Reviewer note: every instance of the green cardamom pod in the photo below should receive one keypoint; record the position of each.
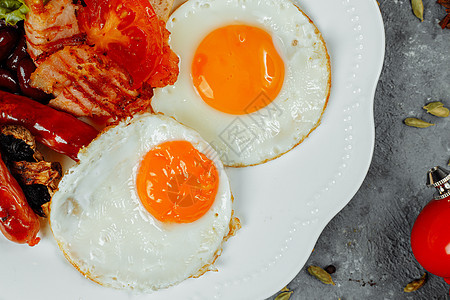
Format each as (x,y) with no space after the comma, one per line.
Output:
(414,122)
(415,284)
(437,109)
(417,7)
(442,112)
(433,105)
(320,274)
(284,296)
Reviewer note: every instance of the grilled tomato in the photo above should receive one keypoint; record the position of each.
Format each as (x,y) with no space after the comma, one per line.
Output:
(128,31)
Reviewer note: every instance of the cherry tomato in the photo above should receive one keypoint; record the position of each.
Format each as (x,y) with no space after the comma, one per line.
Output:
(430,238)
(128,31)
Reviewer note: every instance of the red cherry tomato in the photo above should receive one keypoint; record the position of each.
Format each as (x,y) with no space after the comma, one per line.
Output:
(430,238)
(128,31)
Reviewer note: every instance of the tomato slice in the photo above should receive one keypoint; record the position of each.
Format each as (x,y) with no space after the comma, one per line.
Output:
(128,31)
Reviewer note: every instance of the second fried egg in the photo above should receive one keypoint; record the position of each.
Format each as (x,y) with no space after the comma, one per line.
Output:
(254,76)
(148,205)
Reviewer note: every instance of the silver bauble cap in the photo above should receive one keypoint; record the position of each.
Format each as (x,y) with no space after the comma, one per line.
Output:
(439,178)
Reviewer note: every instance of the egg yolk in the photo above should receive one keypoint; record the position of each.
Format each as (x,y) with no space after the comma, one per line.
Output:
(237,70)
(176,182)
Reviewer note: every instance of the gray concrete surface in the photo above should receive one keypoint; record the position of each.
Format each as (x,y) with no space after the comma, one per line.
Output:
(368,241)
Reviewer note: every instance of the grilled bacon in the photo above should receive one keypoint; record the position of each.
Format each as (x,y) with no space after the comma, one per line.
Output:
(87,83)
(50,27)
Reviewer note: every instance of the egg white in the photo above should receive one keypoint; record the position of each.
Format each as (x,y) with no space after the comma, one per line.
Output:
(244,140)
(104,230)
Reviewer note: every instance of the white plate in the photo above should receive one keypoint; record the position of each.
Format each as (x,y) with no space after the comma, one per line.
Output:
(283,205)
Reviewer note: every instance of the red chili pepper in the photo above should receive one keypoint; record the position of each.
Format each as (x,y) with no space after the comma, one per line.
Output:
(18,222)
(58,130)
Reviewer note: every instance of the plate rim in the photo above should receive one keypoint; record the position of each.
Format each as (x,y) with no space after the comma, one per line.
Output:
(268,290)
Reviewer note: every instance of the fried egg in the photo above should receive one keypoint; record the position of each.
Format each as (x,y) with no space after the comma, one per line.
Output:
(147,206)
(254,76)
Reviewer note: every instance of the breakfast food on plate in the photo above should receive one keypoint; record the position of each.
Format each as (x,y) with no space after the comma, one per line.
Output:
(147,206)
(18,222)
(131,34)
(148,203)
(27,181)
(57,130)
(102,88)
(254,76)
(26,184)
(51,26)
(162,8)
(100,59)
(37,177)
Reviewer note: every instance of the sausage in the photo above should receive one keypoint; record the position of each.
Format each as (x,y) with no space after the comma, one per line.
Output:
(57,130)
(18,222)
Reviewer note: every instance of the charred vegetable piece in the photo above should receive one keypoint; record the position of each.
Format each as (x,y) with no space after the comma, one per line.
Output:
(37,195)
(42,172)
(17,144)
(37,178)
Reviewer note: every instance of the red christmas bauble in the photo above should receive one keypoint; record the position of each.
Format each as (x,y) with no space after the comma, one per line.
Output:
(430,238)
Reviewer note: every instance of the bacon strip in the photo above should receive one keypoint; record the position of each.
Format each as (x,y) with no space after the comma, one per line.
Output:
(87,83)
(51,27)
